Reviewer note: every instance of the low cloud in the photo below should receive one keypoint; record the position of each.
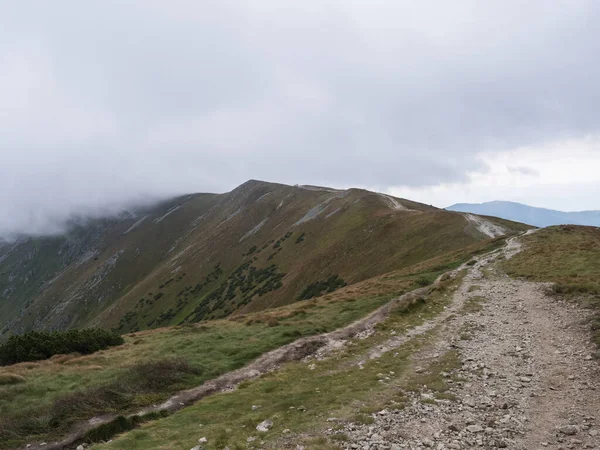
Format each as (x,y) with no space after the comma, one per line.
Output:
(523,170)
(107,104)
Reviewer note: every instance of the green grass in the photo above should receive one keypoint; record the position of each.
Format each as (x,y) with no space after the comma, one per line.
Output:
(31,391)
(473,304)
(569,257)
(300,399)
(214,349)
(210,348)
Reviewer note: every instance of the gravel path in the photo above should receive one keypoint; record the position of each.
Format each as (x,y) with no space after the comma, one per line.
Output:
(485,226)
(527,378)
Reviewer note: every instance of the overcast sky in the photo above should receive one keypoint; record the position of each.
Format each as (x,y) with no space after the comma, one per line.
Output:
(107,103)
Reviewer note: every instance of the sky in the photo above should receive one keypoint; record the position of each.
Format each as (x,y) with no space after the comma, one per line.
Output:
(104,105)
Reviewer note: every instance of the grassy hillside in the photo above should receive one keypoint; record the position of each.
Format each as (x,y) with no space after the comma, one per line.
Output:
(206,256)
(40,400)
(569,257)
(304,399)
(566,255)
(63,281)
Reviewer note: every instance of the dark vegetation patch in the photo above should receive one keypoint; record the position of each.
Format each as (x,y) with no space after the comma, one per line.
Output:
(38,345)
(473,304)
(423,281)
(432,378)
(276,245)
(130,322)
(282,239)
(245,282)
(408,307)
(140,385)
(119,425)
(274,254)
(320,287)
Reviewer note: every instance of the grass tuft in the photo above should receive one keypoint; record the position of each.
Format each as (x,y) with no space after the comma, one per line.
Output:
(11,378)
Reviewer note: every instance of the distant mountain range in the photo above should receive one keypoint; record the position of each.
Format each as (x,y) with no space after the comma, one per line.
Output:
(539,217)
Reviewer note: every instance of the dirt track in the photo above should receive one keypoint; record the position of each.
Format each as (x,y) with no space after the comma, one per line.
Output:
(529,380)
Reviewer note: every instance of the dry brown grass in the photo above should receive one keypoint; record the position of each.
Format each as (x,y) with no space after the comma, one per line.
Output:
(60,359)
(28,365)
(11,378)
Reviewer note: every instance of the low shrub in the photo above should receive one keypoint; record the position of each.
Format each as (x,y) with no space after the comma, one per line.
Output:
(423,281)
(36,345)
(318,288)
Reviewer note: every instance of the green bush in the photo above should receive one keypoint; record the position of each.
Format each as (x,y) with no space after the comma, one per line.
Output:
(36,345)
(325,286)
(423,281)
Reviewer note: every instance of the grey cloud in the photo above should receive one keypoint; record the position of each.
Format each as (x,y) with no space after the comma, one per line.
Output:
(107,103)
(523,170)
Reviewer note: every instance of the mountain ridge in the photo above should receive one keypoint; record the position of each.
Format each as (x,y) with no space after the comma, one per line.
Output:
(532,215)
(205,256)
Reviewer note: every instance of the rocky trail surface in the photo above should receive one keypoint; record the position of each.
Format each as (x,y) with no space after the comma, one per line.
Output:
(525,376)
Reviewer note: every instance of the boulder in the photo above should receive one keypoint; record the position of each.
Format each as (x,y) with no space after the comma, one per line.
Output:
(264,426)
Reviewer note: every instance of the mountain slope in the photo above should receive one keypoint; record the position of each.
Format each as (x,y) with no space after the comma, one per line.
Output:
(40,406)
(205,256)
(539,217)
(451,372)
